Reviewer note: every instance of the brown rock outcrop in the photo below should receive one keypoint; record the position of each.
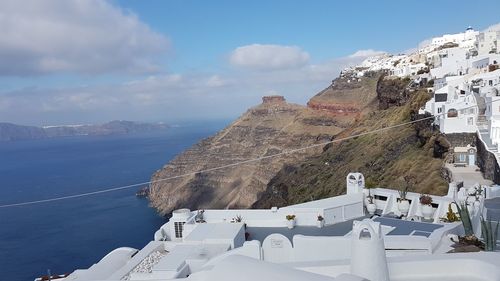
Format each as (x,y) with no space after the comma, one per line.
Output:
(273,99)
(270,128)
(347,96)
(274,126)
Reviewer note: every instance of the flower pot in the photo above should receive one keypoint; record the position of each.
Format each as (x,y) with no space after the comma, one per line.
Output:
(290,224)
(404,207)
(427,212)
(320,224)
(371,208)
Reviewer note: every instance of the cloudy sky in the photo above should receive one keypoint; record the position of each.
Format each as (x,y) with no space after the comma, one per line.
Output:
(84,61)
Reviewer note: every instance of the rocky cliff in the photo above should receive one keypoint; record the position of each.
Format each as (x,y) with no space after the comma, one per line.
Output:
(348,107)
(347,96)
(416,150)
(272,127)
(13,132)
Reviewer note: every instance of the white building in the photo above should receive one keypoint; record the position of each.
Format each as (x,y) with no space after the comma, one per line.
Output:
(454,105)
(465,39)
(407,69)
(487,42)
(487,85)
(450,61)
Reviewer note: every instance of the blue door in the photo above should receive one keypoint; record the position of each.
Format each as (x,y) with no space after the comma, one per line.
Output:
(472,159)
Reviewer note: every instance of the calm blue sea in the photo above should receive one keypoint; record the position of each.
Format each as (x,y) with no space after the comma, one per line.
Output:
(65,235)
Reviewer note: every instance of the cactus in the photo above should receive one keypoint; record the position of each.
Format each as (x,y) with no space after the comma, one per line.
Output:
(450,215)
(465,218)
(489,234)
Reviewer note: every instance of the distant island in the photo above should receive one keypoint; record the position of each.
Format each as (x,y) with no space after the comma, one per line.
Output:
(13,132)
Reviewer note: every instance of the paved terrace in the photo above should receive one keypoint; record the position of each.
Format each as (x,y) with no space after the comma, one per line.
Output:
(401,227)
(493,209)
(469,175)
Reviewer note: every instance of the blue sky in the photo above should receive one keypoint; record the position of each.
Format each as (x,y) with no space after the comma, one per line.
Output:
(95,60)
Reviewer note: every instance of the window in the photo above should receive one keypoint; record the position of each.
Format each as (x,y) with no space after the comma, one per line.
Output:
(470,121)
(452,113)
(178,226)
(490,82)
(461,157)
(440,110)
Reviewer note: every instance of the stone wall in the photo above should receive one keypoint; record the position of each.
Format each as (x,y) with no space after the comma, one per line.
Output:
(462,139)
(487,163)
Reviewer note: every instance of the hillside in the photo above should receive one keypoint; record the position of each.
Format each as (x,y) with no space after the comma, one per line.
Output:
(13,132)
(269,128)
(384,158)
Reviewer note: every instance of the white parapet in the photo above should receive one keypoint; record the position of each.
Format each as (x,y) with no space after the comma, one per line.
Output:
(355,183)
(368,251)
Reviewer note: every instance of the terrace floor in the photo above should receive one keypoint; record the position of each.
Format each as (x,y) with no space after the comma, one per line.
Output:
(493,209)
(469,175)
(401,227)
(338,229)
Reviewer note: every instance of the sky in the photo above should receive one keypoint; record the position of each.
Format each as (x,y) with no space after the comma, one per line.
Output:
(92,61)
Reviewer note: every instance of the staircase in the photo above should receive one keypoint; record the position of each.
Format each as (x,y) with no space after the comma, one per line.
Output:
(484,136)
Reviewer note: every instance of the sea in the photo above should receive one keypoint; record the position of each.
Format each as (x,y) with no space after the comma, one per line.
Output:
(62,236)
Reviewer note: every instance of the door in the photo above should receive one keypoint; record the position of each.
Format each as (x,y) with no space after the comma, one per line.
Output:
(472,159)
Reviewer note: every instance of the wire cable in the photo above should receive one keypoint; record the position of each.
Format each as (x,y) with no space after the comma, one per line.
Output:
(228,165)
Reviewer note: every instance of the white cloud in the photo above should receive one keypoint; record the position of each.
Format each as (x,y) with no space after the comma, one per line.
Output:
(494,27)
(268,57)
(216,81)
(170,96)
(366,53)
(81,36)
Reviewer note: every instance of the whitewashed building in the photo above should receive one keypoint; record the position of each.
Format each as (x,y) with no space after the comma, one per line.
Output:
(487,85)
(450,61)
(465,39)
(487,42)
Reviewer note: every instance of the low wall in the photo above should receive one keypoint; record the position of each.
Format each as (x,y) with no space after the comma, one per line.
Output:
(307,248)
(334,210)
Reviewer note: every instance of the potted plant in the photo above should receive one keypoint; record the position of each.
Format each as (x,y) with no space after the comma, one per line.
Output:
(426,204)
(403,203)
(238,219)
(199,217)
(367,190)
(371,207)
(320,222)
(476,193)
(290,221)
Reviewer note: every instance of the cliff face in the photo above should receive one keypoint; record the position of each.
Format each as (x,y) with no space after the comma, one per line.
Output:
(347,96)
(384,158)
(272,127)
(487,162)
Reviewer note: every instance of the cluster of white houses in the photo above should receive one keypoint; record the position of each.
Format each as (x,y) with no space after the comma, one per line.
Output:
(464,68)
